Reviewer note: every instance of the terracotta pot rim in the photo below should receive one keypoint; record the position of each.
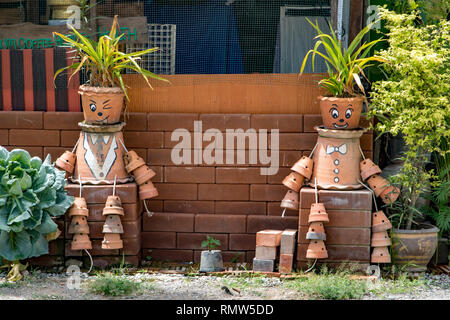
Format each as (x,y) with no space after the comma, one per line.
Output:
(426,228)
(339,133)
(333,98)
(101,128)
(86,89)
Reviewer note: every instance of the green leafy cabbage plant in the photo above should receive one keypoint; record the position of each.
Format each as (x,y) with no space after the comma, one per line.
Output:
(31,194)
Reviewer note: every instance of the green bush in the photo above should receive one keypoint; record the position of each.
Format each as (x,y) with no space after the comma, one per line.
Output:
(111,285)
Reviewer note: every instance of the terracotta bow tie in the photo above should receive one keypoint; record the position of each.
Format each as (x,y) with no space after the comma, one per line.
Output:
(342,149)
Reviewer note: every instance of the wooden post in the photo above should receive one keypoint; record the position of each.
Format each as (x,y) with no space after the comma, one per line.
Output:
(356,18)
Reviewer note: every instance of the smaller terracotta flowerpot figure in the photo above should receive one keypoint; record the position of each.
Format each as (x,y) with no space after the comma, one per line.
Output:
(79,225)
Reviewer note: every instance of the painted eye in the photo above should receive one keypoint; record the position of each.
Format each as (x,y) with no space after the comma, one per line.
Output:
(348,113)
(334,113)
(93,107)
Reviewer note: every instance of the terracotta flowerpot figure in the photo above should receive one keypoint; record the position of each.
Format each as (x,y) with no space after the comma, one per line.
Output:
(66,161)
(380,239)
(368,169)
(341,113)
(380,222)
(293,181)
(290,200)
(101,105)
(317,213)
(112,241)
(380,255)
(336,159)
(81,241)
(316,231)
(304,166)
(377,183)
(316,250)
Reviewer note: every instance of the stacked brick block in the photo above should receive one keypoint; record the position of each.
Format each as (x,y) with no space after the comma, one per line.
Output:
(348,230)
(228,201)
(266,254)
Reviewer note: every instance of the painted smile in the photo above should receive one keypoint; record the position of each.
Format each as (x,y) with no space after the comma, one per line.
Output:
(340,127)
(103,120)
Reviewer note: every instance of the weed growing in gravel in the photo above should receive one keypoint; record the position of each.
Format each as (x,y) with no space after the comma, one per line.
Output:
(111,285)
(329,285)
(401,284)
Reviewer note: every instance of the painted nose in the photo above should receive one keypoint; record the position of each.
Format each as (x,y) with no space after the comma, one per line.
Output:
(100,114)
(341,120)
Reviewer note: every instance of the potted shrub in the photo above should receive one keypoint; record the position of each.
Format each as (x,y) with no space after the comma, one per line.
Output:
(211,259)
(414,101)
(341,109)
(103,96)
(31,195)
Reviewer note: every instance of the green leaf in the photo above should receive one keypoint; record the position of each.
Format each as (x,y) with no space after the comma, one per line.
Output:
(3,153)
(36,163)
(25,182)
(47,198)
(39,246)
(47,225)
(21,156)
(18,215)
(15,246)
(35,219)
(15,188)
(63,202)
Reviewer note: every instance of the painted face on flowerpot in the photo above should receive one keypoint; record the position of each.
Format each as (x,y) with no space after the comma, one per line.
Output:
(341,113)
(100,110)
(341,116)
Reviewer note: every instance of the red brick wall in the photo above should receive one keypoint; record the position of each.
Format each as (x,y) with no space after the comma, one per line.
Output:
(230,202)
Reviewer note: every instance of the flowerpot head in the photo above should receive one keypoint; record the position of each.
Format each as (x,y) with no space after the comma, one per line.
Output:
(341,113)
(101,106)
(290,200)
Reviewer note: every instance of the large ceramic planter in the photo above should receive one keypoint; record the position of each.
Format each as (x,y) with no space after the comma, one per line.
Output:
(211,261)
(101,105)
(414,248)
(341,113)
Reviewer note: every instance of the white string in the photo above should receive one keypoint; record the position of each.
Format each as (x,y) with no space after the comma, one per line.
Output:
(314,264)
(76,144)
(149,213)
(81,185)
(284,211)
(362,153)
(92,261)
(114,187)
(314,149)
(123,145)
(315,188)
(373,195)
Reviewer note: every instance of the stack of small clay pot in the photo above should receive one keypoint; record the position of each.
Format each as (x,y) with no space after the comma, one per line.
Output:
(316,232)
(79,227)
(66,162)
(380,238)
(380,186)
(301,170)
(136,166)
(113,226)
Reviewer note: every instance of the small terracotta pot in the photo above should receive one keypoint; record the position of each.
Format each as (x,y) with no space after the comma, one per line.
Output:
(380,255)
(101,105)
(316,231)
(113,206)
(143,174)
(377,183)
(112,241)
(390,194)
(132,161)
(290,200)
(368,169)
(316,250)
(112,224)
(78,224)
(341,113)
(304,166)
(380,222)
(318,213)
(293,181)
(147,191)
(66,161)
(81,241)
(78,208)
(380,239)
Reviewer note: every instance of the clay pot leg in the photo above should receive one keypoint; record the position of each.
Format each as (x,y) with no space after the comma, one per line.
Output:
(81,241)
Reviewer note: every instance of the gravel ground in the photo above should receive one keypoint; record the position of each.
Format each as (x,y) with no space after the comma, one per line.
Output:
(159,286)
